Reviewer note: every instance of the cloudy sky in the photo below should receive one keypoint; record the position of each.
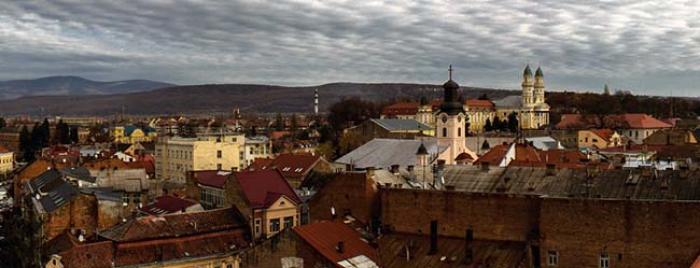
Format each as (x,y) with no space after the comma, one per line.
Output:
(644,46)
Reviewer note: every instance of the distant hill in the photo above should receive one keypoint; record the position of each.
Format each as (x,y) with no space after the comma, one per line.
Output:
(71,86)
(224,98)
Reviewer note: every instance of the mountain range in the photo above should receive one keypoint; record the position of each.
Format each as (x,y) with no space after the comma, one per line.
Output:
(202,99)
(73,86)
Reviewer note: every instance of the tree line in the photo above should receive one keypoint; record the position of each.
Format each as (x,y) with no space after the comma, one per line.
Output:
(31,142)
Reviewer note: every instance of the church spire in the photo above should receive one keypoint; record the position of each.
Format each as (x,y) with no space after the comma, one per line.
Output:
(450,104)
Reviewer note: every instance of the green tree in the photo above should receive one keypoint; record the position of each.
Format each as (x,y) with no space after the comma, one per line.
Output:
(513,122)
(74,134)
(488,126)
(46,132)
(497,123)
(279,122)
(25,139)
(2,122)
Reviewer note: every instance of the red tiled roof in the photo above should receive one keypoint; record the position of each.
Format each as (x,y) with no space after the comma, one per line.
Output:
(260,163)
(4,150)
(295,165)
(479,103)
(324,238)
(529,156)
(577,121)
(213,178)
(464,157)
(605,133)
(167,204)
(257,185)
(175,225)
(203,244)
(642,121)
(494,156)
(401,108)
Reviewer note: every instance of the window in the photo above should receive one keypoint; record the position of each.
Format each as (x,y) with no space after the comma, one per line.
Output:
(552,258)
(218,166)
(595,140)
(459,132)
(636,133)
(288,222)
(586,139)
(257,226)
(218,154)
(444,132)
(604,260)
(274,225)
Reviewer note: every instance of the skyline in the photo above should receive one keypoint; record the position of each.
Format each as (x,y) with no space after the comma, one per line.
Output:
(648,48)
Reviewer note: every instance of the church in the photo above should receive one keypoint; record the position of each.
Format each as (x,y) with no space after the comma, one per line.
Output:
(530,106)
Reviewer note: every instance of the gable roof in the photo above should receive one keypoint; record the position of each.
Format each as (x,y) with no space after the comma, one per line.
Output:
(213,178)
(174,225)
(78,173)
(642,121)
(50,191)
(294,165)
(324,238)
(604,133)
(383,153)
(259,185)
(167,204)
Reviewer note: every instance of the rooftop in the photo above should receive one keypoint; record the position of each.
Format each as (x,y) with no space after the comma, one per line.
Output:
(383,153)
(167,204)
(262,186)
(401,124)
(324,238)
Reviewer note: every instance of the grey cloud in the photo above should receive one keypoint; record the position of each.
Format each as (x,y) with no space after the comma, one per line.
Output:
(579,45)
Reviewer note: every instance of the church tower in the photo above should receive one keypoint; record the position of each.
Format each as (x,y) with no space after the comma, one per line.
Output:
(527,98)
(450,123)
(539,86)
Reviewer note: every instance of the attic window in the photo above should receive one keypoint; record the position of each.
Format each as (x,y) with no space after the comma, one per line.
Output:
(298,169)
(286,169)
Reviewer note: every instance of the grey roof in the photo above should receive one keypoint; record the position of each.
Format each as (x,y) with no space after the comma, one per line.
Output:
(383,153)
(104,193)
(545,143)
(513,101)
(78,173)
(50,191)
(401,124)
(632,184)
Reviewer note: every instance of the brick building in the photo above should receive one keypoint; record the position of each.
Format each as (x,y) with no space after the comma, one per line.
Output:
(566,218)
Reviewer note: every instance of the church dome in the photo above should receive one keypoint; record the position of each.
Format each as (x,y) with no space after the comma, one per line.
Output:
(450,85)
(527,71)
(539,73)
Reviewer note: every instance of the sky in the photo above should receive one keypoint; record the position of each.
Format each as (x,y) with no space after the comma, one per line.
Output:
(647,47)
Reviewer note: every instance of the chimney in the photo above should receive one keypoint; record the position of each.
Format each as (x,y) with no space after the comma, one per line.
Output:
(551,169)
(485,166)
(395,169)
(433,237)
(468,251)
(341,247)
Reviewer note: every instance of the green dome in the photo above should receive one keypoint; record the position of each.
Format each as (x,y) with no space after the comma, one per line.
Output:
(539,72)
(527,70)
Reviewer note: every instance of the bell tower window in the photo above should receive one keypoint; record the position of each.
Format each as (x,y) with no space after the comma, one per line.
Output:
(444,132)
(459,132)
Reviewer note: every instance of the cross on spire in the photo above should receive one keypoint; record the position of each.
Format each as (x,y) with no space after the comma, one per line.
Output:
(450,71)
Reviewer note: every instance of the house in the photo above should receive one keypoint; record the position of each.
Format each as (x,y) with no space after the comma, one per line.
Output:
(197,239)
(599,137)
(169,204)
(7,160)
(295,168)
(266,200)
(334,244)
(634,127)
(525,154)
(130,134)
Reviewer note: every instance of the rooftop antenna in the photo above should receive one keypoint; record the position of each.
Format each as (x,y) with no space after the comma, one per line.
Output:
(450,71)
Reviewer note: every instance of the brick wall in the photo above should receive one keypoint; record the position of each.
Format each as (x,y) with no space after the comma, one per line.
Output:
(631,233)
(491,216)
(353,192)
(269,253)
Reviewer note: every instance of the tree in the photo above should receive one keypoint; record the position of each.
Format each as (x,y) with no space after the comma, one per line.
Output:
(487,126)
(62,135)
(497,123)
(46,132)
(484,97)
(25,139)
(279,122)
(513,122)
(2,122)
(74,134)
(350,141)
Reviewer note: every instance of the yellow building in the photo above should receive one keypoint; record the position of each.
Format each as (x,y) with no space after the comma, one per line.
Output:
(131,134)
(7,160)
(530,106)
(175,156)
(600,138)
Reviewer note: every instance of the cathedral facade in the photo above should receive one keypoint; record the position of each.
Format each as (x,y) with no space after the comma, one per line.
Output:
(530,107)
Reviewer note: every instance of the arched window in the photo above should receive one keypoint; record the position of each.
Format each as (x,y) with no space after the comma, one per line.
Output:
(444,132)
(459,132)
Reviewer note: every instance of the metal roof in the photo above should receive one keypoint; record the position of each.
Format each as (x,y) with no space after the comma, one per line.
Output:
(513,101)
(635,184)
(50,191)
(401,124)
(383,153)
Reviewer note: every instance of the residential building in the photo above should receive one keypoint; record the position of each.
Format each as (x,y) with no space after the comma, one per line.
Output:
(634,127)
(295,168)
(130,134)
(175,156)
(7,160)
(334,244)
(600,138)
(675,136)
(197,239)
(255,147)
